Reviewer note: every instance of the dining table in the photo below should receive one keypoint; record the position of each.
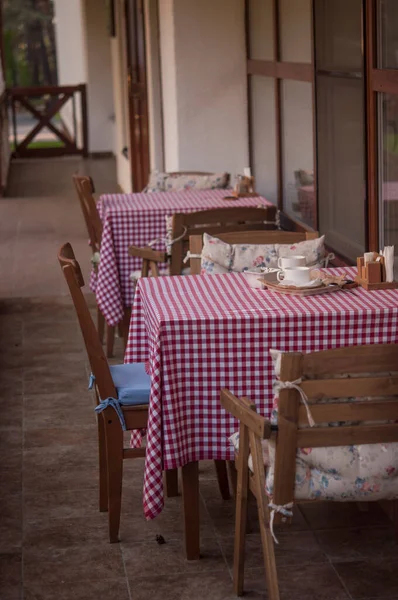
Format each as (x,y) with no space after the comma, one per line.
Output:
(198,334)
(138,219)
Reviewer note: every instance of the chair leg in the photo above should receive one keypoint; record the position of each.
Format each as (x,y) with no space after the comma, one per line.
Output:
(222,478)
(271,575)
(241,513)
(171,483)
(232,476)
(190,496)
(120,333)
(114,451)
(110,340)
(103,476)
(100,325)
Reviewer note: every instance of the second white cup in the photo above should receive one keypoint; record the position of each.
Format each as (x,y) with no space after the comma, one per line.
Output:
(291,261)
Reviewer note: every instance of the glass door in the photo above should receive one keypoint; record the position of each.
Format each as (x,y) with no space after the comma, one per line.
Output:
(387,111)
(340,119)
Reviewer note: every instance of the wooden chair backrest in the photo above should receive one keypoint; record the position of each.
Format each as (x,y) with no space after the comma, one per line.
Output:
(248,237)
(373,372)
(99,365)
(221,220)
(85,189)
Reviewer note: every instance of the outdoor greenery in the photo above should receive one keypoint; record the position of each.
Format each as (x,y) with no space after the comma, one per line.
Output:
(29,41)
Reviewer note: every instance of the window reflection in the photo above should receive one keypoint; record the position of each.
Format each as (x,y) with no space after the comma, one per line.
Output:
(388,28)
(299,199)
(388,189)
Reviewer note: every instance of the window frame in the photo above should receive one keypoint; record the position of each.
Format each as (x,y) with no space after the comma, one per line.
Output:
(280,70)
(376,80)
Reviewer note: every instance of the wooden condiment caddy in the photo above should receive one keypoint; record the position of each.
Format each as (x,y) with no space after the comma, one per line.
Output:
(244,187)
(372,276)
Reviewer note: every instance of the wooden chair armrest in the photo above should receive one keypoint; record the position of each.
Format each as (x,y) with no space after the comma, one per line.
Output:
(245,411)
(147,254)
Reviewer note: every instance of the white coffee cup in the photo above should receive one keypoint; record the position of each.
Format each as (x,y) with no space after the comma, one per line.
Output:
(291,261)
(297,275)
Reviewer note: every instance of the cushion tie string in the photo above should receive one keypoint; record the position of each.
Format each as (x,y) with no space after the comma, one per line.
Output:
(295,385)
(283,509)
(91,381)
(328,258)
(190,255)
(115,404)
(166,241)
(95,259)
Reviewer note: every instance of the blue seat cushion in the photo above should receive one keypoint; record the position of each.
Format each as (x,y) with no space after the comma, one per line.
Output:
(132,383)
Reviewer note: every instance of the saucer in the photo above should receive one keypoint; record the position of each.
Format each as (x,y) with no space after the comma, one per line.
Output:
(315,283)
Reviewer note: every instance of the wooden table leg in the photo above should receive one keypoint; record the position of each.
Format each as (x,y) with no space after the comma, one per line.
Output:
(170,483)
(190,496)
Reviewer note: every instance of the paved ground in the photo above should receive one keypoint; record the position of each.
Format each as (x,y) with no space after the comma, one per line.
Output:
(53,540)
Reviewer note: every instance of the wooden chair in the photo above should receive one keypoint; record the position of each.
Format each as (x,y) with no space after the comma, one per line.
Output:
(110,384)
(85,189)
(368,415)
(214,222)
(246,237)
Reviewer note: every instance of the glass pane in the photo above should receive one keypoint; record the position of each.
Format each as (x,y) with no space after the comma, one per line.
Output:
(295,27)
(263,136)
(338,35)
(261,29)
(341,164)
(298,151)
(388,106)
(388,34)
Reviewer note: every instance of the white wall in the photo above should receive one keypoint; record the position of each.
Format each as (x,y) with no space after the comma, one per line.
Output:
(99,76)
(71,53)
(119,71)
(71,50)
(204,85)
(84,56)
(154,85)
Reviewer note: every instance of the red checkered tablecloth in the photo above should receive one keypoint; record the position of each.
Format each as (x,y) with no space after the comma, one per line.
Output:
(136,219)
(202,333)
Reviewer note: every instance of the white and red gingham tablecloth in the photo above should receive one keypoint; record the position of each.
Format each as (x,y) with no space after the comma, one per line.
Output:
(202,333)
(137,219)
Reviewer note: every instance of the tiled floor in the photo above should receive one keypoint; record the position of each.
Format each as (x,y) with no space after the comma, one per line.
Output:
(53,540)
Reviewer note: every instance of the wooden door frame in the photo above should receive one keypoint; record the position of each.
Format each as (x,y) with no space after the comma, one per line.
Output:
(137,93)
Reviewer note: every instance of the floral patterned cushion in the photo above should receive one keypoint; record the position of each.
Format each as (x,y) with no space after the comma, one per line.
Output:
(164,182)
(220,257)
(177,183)
(313,250)
(156,182)
(304,177)
(339,473)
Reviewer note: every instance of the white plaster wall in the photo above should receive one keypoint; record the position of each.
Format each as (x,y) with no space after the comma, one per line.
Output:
(119,73)
(71,53)
(204,85)
(169,83)
(154,85)
(99,77)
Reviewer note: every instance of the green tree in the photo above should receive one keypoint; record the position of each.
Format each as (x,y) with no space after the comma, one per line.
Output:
(30,53)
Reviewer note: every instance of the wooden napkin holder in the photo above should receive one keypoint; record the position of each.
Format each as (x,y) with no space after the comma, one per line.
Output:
(245,188)
(372,276)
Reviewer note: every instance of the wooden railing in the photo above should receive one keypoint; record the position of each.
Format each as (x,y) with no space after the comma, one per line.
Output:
(48,107)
